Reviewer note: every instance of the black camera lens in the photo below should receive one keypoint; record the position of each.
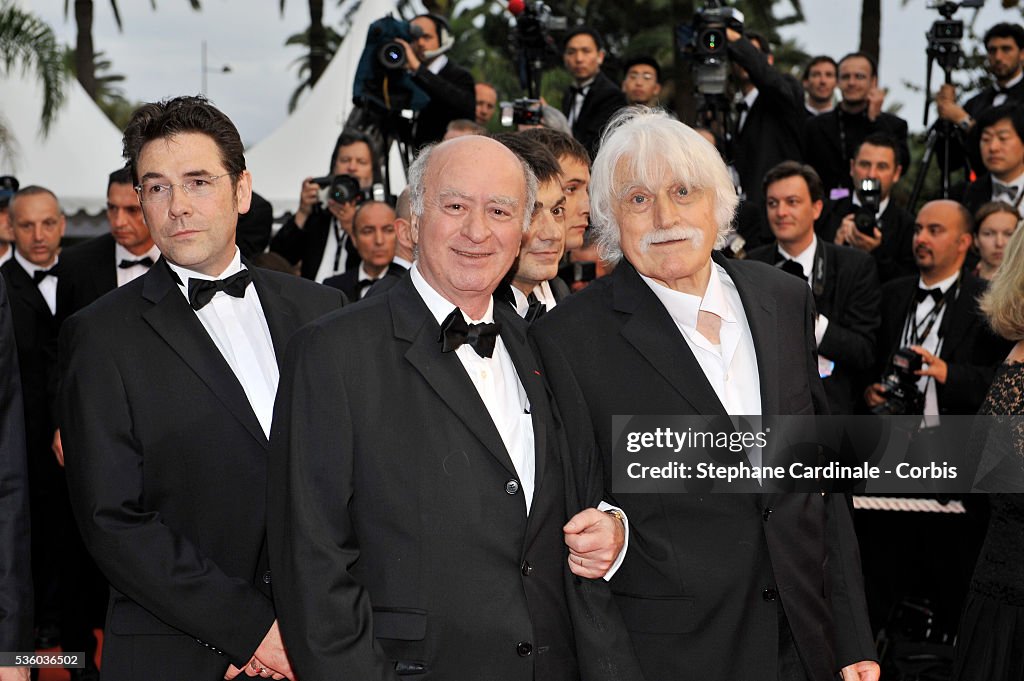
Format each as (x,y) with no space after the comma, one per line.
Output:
(391,55)
(712,40)
(345,189)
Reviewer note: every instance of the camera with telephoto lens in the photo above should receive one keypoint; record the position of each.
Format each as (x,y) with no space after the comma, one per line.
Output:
(945,35)
(869,193)
(340,188)
(899,385)
(391,54)
(704,42)
(522,112)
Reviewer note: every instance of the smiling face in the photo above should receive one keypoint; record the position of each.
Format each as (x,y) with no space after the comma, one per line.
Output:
(855,80)
(544,241)
(791,213)
(667,233)
(469,234)
(194,232)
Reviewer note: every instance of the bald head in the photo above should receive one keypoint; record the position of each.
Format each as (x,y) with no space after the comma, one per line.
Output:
(942,237)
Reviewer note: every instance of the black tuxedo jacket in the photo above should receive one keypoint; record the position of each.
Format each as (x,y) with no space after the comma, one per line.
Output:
(165,461)
(87,271)
(976,106)
(452,96)
(347,280)
(823,146)
(35,333)
(399,537)
(771,131)
(978,193)
(307,243)
(969,347)
(698,585)
(895,255)
(846,290)
(603,99)
(16,585)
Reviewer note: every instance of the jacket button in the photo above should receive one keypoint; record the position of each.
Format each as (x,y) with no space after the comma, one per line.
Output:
(524,649)
(527,568)
(767,512)
(266,577)
(769,594)
(512,486)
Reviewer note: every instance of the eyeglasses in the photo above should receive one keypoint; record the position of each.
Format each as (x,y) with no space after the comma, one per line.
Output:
(152,191)
(636,75)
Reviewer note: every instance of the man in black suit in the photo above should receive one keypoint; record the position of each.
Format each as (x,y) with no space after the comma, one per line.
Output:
(375,239)
(1003,45)
(771,112)
(843,280)
(319,234)
(831,139)
(31,276)
(436,548)
(533,287)
(100,265)
(713,586)
(1001,143)
(16,586)
(167,392)
(890,239)
(593,98)
(450,87)
(8,186)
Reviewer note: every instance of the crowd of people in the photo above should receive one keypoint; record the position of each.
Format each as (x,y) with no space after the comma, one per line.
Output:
(392,456)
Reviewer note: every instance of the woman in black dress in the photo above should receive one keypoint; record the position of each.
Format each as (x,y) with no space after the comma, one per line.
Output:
(990,646)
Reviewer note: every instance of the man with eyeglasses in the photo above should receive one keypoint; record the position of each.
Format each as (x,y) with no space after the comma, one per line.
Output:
(168,386)
(642,83)
(830,141)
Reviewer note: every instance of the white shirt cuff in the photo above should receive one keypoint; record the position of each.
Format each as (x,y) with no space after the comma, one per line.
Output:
(820,325)
(605,506)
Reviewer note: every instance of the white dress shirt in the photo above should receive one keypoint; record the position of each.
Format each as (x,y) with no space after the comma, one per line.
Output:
(578,99)
(1018,184)
(806,260)
(543,293)
(932,343)
(127,274)
(238,327)
(48,286)
(333,250)
(498,385)
(730,366)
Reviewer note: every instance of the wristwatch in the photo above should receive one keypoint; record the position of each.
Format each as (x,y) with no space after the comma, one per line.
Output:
(616,513)
(966,124)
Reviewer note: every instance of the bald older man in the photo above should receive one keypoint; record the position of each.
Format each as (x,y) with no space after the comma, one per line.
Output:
(419,485)
(716,587)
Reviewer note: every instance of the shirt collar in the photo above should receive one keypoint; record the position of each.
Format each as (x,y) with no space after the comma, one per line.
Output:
(750,98)
(122,253)
(942,285)
(440,306)
(804,257)
(185,274)
(1012,82)
(30,267)
(683,307)
(585,85)
(1015,182)
(439,63)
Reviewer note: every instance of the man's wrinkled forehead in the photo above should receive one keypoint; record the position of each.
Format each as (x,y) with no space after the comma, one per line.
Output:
(650,173)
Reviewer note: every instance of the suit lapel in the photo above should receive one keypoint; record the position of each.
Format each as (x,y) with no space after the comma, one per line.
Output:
(650,329)
(759,308)
(28,291)
(958,317)
(444,372)
(177,324)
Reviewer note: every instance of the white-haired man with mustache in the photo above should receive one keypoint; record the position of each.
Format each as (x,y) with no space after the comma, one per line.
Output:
(714,586)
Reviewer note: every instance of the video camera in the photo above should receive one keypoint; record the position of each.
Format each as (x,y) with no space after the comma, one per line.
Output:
(340,188)
(902,396)
(704,42)
(382,84)
(869,194)
(522,112)
(945,34)
(532,43)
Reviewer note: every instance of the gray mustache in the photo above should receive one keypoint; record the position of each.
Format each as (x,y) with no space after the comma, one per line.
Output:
(658,236)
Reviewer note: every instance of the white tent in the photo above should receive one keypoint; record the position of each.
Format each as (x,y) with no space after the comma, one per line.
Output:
(74,159)
(303,143)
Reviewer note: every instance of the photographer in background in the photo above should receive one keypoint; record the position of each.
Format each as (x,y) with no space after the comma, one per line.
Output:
(870,221)
(450,87)
(768,117)
(318,236)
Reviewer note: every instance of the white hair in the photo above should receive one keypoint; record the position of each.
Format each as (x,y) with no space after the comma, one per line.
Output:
(647,147)
(417,183)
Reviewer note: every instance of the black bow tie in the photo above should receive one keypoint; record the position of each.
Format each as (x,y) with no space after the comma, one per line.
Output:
(39,275)
(579,90)
(455,332)
(999,189)
(794,268)
(924,293)
(536,308)
(144,261)
(202,291)
(364,283)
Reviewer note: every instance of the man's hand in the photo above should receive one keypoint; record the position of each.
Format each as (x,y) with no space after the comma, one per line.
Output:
(13,673)
(58,450)
(594,539)
(412,61)
(876,97)
(345,213)
(308,198)
(935,366)
(842,237)
(861,671)
(270,661)
(865,242)
(732,35)
(874,394)
(945,103)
